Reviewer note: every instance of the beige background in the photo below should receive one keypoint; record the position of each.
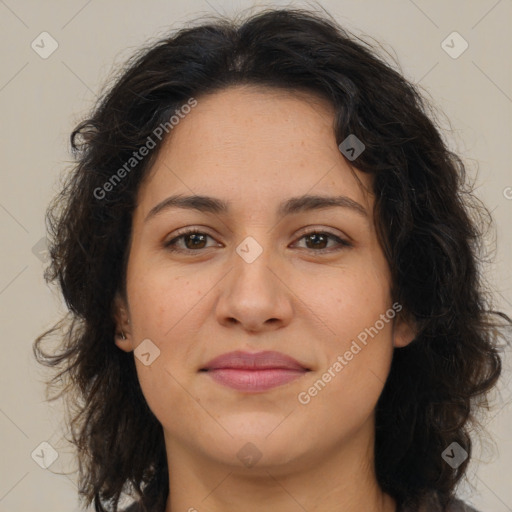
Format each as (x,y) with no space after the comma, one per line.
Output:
(42,99)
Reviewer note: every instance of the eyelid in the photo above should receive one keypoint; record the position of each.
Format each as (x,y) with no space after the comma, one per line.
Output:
(342,240)
(187,231)
(307,230)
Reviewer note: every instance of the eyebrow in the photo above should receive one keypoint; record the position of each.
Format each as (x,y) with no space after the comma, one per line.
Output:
(294,205)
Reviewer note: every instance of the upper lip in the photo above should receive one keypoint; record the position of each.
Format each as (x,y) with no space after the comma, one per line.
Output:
(254,361)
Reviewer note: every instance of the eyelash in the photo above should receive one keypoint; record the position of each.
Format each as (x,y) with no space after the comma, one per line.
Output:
(171,244)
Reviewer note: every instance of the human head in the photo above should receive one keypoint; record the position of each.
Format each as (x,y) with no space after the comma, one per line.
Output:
(420,213)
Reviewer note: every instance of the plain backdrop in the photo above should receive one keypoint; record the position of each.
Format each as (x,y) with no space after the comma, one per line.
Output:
(42,99)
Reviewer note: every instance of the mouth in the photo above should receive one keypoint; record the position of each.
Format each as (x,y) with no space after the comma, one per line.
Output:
(254,372)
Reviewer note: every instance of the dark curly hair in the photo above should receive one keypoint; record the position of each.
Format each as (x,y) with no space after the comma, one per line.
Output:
(430,225)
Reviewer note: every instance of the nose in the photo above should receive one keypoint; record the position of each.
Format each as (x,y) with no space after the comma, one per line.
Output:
(254,295)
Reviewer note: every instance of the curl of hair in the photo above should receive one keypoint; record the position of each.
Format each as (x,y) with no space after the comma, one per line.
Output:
(429,223)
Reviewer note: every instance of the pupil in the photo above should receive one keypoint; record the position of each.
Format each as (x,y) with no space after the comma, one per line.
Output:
(196,238)
(316,235)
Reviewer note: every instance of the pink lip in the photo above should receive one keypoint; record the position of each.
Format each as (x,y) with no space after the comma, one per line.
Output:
(248,372)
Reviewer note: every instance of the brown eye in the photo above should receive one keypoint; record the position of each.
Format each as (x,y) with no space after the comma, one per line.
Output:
(317,241)
(197,240)
(191,240)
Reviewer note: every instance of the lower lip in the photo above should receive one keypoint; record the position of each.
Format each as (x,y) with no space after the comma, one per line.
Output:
(254,380)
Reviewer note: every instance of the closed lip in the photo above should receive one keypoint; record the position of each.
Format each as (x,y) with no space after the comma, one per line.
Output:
(265,360)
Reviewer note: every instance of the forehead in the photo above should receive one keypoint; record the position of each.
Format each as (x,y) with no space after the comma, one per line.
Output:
(257,144)
(251,118)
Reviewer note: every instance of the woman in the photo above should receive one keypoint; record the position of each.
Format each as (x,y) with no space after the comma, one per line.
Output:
(270,259)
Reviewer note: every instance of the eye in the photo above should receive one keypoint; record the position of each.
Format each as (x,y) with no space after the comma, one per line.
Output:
(193,239)
(317,241)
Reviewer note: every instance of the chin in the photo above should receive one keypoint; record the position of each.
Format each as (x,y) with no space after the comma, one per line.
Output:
(259,442)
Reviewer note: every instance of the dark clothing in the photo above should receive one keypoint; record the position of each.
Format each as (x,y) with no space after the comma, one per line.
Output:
(432,504)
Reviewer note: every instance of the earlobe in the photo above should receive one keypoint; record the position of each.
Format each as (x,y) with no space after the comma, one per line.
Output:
(123,339)
(404,331)
(123,342)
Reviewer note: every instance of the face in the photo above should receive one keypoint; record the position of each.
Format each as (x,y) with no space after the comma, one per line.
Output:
(259,274)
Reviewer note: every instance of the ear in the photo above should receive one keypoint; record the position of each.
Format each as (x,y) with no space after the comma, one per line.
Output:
(405,330)
(123,337)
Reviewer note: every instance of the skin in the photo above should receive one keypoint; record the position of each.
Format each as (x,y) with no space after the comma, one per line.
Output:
(256,147)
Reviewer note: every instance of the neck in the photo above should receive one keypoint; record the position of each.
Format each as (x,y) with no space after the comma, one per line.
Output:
(342,480)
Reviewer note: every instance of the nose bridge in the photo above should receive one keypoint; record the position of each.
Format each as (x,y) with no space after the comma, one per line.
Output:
(252,261)
(253,294)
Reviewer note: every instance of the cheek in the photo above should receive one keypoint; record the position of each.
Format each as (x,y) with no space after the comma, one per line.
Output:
(358,313)
(161,301)
(168,398)
(165,316)
(350,300)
